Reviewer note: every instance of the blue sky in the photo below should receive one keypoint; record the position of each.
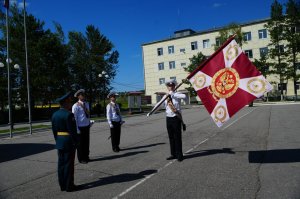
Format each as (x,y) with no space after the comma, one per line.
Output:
(130,23)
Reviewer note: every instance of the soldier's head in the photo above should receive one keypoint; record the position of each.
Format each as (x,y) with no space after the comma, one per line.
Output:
(112,96)
(171,85)
(80,94)
(65,101)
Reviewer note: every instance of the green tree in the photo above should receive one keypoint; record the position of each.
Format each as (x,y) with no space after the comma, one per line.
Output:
(292,35)
(195,61)
(90,54)
(276,26)
(227,32)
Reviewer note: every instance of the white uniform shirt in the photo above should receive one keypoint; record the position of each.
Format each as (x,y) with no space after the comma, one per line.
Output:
(80,115)
(111,113)
(176,98)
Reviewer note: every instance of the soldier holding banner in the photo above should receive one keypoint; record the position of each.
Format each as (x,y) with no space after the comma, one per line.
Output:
(174,120)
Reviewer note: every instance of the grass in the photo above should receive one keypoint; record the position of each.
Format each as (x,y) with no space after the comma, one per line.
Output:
(22,129)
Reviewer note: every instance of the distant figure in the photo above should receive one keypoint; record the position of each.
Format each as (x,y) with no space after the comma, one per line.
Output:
(174,121)
(66,138)
(114,120)
(81,112)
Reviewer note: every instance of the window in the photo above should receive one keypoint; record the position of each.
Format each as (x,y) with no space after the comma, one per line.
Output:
(161,66)
(206,43)
(218,41)
(194,45)
(249,53)
(247,36)
(182,50)
(263,51)
(281,48)
(171,49)
(183,64)
(173,78)
(161,81)
(172,64)
(160,51)
(262,34)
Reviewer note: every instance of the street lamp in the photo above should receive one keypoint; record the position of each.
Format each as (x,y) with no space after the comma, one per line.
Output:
(104,76)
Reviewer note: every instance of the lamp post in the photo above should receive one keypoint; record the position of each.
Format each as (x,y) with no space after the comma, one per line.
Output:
(16,66)
(104,76)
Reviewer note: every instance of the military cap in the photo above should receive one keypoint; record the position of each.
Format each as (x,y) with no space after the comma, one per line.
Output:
(63,98)
(171,82)
(79,92)
(112,93)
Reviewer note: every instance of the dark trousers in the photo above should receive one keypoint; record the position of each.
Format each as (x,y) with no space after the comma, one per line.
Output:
(115,134)
(66,169)
(174,132)
(83,150)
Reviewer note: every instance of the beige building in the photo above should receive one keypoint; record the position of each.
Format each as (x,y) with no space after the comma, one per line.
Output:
(165,59)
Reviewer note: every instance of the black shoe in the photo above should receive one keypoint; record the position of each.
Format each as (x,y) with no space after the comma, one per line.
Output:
(170,158)
(179,159)
(83,162)
(62,189)
(116,150)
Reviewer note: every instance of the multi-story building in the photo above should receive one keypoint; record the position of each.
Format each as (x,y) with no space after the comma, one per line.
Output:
(165,59)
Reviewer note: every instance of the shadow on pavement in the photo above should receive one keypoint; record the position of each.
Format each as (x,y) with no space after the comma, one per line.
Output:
(14,151)
(275,156)
(126,177)
(118,156)
(145,146)
(208,152)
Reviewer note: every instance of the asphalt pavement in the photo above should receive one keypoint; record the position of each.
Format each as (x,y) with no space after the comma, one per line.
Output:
(255,155)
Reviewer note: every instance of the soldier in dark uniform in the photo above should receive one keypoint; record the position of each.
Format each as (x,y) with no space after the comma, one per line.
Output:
(65,134)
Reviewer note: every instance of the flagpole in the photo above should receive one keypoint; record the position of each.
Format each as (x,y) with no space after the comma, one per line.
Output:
(27,71)
(193,73)
(8,78)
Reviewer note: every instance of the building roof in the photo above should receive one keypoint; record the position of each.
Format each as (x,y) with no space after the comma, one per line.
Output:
(194,33)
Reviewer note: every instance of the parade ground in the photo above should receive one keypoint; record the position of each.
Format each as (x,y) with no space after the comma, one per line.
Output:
(255,155)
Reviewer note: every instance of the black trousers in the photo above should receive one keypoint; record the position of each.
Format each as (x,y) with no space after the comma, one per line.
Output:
(174,132)
(65,169)
(115,134)
(83,150)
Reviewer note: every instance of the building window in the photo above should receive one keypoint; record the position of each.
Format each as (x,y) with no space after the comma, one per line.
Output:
(171,49)
(262,34)
(247,36)
(194,45)
(218,41)
(161,81)
(281,48)
(206,43)
(263,51)
(182,50)
(173,78)
(183,64)
(249,53)
(161,66)
(172,64)
(160,51)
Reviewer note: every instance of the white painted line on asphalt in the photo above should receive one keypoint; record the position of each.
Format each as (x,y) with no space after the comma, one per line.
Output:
(169,163)
(159,170)
(238,119)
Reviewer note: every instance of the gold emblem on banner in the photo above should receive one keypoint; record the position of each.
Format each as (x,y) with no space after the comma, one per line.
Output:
(225,83)
(232,52)
(199,81)
(256,85)
(220,114)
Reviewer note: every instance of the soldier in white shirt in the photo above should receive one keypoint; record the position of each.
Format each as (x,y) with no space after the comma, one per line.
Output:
(81,111)
(114,120)
(174,121)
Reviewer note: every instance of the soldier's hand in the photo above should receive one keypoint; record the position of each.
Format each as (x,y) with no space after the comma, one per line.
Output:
(111,126)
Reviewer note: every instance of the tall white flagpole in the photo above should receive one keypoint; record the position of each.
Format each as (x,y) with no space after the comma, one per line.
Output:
(27,71)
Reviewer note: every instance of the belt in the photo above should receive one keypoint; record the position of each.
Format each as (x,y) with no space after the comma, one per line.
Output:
(63,133)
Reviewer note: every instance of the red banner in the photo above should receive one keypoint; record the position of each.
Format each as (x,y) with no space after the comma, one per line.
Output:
(228,81)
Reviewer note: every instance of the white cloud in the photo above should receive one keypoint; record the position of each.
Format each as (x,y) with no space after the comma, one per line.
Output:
(217,5)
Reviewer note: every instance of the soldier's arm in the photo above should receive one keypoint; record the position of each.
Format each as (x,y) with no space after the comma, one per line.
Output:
(72,128)
(54,128)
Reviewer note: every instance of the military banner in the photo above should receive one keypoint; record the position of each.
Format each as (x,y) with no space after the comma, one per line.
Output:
(228,81)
